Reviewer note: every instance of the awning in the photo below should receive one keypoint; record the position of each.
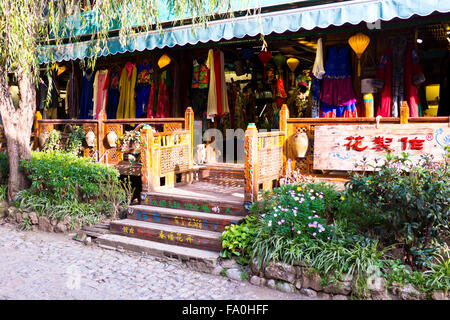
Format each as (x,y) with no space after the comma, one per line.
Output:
(310,17)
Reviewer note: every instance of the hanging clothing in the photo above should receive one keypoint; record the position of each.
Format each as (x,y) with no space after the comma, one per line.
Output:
(281,93)
(217,94)
(398,75)
(100,91)
(163,102)
(112,92)
(337,95)
(384,77)
(86,99)
(315,97)
(73,92)
(413,77)
(143,88)
(444,87)
(318,68)
(127,103)
(318,71)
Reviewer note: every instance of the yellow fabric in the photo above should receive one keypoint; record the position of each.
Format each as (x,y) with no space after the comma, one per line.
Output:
(127,102)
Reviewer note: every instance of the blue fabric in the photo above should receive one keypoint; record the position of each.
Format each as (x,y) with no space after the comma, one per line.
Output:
(143,86)
(338,62)
(338,112)
(322,16)
(86,102)
(113,93)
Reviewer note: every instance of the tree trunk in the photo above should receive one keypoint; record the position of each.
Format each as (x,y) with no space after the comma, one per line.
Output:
(17,123)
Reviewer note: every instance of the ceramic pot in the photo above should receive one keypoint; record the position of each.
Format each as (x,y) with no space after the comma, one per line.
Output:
(90,139)
(300,144)
(42,138)
(111,137)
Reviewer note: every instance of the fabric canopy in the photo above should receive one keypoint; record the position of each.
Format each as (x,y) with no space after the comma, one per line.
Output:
(309,17)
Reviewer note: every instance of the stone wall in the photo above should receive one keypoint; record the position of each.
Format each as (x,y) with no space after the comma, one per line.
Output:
(14,215)
(305,281)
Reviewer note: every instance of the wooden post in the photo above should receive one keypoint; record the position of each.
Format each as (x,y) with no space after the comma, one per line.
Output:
(36,129)
(189,125)
(284,116)
(146,157)
(101,134)
(404,113)
(251,163)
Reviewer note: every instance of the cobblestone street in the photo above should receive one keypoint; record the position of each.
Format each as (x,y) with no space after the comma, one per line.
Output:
(38,265)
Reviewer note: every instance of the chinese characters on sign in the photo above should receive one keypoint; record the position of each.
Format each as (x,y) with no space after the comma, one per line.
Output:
(381,143)
(362,147)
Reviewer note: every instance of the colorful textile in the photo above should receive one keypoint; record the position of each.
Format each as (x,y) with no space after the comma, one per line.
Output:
(399,73)
(99,94)
(113,93)
(384,75)
(413,78)
(315,107)
(86,101)
(143,87)
(163,103)
(217,94)
(337,95)
(127,103)
(281,93)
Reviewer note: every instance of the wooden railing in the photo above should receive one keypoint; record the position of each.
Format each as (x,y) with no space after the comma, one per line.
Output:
(268,156)
(165,154)
(308,125)
(263,161)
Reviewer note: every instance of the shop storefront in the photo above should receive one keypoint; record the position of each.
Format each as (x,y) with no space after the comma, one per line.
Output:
(339,62)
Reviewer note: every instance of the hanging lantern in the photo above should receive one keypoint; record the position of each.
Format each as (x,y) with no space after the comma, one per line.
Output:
(359,43)
(292,64)
(265,56)
(164,61)
(279,60)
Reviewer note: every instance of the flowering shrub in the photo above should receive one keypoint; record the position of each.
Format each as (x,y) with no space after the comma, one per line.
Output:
(298,211)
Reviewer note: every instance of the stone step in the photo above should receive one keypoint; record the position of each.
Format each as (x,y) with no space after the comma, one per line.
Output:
(202,203)
(181,218)
(169,234)
(190,255)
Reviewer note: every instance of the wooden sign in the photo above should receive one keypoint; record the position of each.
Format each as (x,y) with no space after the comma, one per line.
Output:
(348,147)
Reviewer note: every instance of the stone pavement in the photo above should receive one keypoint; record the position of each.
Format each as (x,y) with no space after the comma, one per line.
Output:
(38,265)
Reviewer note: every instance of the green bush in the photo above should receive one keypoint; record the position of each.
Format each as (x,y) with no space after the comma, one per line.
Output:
(404,203)
(60,175)
(236,239)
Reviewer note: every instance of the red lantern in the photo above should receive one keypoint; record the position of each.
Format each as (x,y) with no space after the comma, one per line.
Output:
(265,56)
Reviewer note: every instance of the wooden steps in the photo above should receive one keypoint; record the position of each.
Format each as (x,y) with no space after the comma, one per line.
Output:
(169,234)
(181,218)
(193,203)
(223,174)
(118,242)
(188,216)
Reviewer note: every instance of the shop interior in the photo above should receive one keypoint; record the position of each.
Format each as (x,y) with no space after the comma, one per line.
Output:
(330,73)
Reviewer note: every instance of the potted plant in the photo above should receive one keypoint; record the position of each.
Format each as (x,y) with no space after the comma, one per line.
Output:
(130,141)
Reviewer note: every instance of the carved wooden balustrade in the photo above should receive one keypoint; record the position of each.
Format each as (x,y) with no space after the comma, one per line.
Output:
(268,156)
(164,152)
(263,161)
(308,125)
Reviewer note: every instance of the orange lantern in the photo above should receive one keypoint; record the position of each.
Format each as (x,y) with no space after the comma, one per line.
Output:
(164,61)
(359,43)
(292,64)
